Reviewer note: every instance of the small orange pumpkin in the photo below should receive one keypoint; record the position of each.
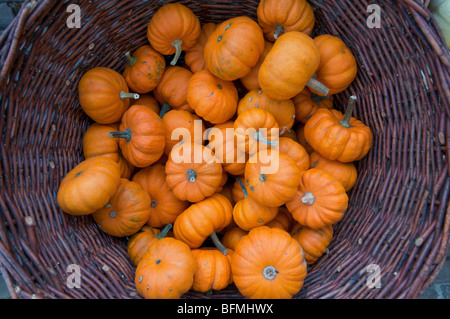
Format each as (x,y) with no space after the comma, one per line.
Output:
(300,133)
(172,29)
(126,212)
(345,173)
(165,206)
(213,269)
(248,213)
(173,87)
(88,186)
(289,66)
(313,241)
(212,98)
(256,129)
(276,187)
(232,236)
(144,69)
(209,216)
(103,95)
(166,271)
(97,143)
(234,48)
(268,264)
(142,136)
(296,152)
(319,201)
(194,56)
(279,16)
(193,173)
(138,244)
(224,146)
(282,220)
(337,68)
(307,103)
(149,101)
(337,136)
(282,110)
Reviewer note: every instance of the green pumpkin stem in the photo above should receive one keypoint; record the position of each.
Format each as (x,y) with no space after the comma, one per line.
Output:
(164,232)
(279,30)
(131,60)
(177,45)
(164,109)
(242,187)
(124,95)
(348,112)
(218,243)
(124,134)
(259,137)
(314,84)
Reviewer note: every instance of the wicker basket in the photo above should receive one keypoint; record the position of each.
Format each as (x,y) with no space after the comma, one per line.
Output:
(398,217)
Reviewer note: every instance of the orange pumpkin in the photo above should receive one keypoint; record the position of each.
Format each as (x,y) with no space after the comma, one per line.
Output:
(212,98)
(144,69)
(336,136)
(126,169)
(103,95)
(142,136)
(268,264)
(276,187)
(227,192)
(337,68)
(234,48)
(237,192)
(232,236)
(313,241)
(290,134)
(88,186)
(166,271)
(172,29)
(173,87)
(248,213)
(138,243)
(213,269)
(282,220)
(282,110)
(165,206)
(209,216)
(97,143)
(193,173)
(194,56)
(177,120)
(250,81)
(256,129)
(307,103)
(319,201)
(224,146)
(149,101)
(279,16)
(345,173)
(126,212)
(295,152)
(289,66)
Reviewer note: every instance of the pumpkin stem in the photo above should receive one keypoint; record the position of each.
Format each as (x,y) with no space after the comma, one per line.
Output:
(348,112)
(279,30)
(317,86)
(164,109)
(177,45)
(124,95)
(125,134)
(317,98)
(164,232)
(218,243)
(242,186)
(131,60)
(259,137)
(191,175)
(308,198)
(270,272)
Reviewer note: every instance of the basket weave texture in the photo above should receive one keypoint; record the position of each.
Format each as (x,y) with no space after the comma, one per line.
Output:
(398,216)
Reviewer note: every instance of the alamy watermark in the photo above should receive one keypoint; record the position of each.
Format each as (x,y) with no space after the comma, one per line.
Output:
(374,279)
(74,278)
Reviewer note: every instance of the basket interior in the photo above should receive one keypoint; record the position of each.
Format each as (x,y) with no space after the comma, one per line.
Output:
(397,217)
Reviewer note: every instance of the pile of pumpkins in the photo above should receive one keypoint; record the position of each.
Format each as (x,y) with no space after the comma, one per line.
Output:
(207,222)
